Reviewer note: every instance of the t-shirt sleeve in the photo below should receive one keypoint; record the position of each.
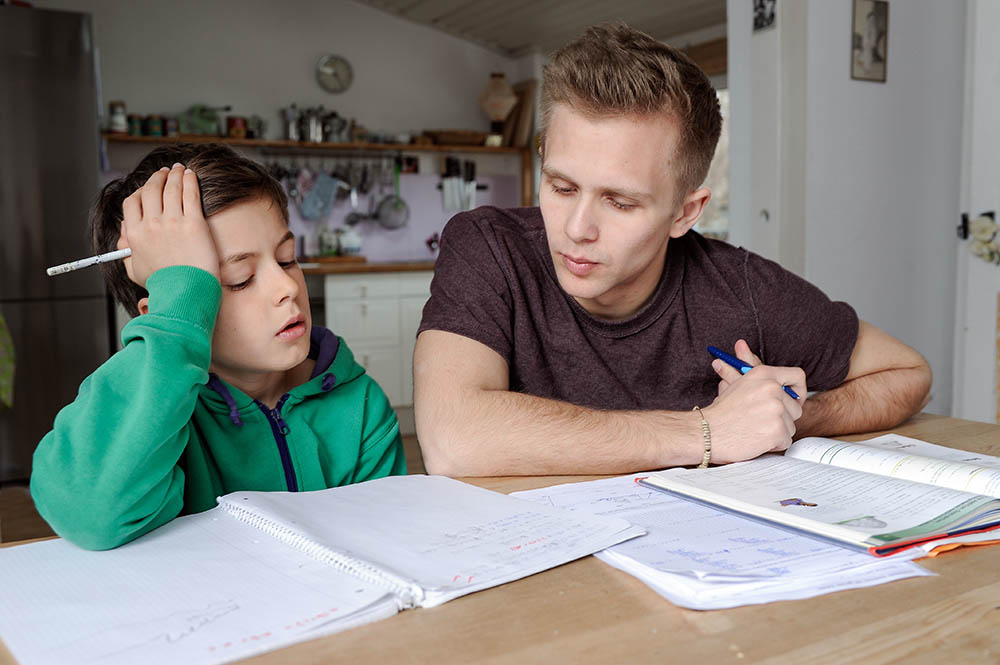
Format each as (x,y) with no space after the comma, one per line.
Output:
(799,325)
(470,294)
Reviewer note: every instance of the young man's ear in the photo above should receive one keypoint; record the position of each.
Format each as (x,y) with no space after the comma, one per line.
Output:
(691,208)
(143,306)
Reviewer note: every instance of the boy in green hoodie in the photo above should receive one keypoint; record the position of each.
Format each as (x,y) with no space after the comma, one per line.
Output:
(223,383)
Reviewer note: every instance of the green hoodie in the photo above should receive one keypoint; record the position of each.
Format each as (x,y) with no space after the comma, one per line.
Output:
(152,435)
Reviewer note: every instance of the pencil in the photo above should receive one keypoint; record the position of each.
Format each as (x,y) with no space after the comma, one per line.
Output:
(89,261)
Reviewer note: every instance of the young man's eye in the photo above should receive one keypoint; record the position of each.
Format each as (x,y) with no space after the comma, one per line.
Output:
(287,264)
(620,205)
(242,285)
(561,190)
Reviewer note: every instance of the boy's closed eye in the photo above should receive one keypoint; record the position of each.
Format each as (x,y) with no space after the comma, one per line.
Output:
(240,285)
(245,283)
(285,257)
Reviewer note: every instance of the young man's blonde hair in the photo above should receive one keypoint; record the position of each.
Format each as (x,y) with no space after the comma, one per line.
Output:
(614,70)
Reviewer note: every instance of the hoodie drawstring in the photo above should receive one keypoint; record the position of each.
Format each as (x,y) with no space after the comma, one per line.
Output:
(234,412)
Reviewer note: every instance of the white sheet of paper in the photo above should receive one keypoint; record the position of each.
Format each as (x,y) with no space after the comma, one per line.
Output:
(717,594)
(202,589)
(703,558)
(448,537)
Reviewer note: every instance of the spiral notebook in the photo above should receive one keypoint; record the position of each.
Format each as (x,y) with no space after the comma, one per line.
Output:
(267,569)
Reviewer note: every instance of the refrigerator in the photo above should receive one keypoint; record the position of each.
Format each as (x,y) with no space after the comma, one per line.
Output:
(49,174)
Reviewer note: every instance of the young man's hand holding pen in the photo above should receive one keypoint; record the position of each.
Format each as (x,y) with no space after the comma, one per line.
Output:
(754,406)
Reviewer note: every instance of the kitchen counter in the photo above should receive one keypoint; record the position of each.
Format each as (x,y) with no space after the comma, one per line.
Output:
(356,267)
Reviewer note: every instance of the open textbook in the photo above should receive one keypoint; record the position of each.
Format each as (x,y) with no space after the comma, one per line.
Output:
(266,569)
(882,495)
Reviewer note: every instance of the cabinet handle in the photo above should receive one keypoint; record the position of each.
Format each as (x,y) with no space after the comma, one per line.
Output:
(364,360)
(364,309)
(364,291)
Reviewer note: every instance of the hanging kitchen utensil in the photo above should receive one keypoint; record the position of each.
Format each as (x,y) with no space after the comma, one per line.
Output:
(392,211)
(354,173)
(354,216)
(318,200)
(340,173)
(365,186)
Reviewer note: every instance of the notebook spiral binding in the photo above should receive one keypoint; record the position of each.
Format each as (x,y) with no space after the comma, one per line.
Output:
(409,595)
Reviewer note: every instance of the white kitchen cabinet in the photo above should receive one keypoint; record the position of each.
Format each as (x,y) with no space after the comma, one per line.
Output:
(371,321)
(378,314)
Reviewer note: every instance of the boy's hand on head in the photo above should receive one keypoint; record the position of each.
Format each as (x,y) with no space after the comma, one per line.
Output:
(163,224)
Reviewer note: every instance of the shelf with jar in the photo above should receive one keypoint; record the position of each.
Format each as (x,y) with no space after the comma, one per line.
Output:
(317,147)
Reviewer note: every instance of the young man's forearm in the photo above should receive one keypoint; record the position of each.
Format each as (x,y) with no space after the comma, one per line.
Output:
(498,432)
(866,404)
(470,424)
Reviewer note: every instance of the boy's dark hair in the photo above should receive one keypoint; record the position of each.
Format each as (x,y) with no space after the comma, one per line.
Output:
(613,70)
(224,178)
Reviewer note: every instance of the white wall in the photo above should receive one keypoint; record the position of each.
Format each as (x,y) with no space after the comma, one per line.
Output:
(882,175)
(260,55)
(874,169)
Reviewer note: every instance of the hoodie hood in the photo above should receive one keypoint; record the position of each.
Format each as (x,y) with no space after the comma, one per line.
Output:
(334,366)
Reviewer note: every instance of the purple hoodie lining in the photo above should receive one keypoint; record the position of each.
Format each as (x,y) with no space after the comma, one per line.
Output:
(323,347)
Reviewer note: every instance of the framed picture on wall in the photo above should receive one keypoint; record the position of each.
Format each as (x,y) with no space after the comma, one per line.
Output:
(869,40)
(763,14)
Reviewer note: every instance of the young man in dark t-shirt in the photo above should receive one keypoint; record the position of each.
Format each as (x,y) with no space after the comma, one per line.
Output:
(572,338)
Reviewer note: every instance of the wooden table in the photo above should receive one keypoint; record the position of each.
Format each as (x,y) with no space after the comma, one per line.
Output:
(588,612)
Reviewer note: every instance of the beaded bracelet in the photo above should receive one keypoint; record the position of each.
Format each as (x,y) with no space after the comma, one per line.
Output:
(706,436)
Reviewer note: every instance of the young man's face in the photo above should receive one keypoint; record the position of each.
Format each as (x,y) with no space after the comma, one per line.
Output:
(264,320)
(608,200)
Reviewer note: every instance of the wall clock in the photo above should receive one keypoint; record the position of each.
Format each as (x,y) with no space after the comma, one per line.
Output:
(334,73)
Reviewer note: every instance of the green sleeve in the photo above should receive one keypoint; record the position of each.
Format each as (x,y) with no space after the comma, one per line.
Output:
(381,445)
(108,471)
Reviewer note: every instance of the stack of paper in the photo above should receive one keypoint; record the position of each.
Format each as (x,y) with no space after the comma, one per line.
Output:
(702,558)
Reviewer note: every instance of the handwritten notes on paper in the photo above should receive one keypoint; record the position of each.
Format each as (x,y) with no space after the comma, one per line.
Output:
(446,537)
(266,569)
(703,558)
(200,589)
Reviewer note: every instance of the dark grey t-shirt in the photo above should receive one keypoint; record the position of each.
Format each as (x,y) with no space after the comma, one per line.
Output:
(494,282)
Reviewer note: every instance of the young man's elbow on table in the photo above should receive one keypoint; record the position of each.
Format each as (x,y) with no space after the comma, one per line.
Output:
(456,439)
(912,392)
(435,448)
(887,383)
(450,436)
(450,372)
(898,374)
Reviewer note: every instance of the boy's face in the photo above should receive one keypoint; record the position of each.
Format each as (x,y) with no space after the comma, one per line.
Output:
(264,321)
(608,201)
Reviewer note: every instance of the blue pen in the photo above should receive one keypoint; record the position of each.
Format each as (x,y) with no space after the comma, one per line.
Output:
(733,361)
